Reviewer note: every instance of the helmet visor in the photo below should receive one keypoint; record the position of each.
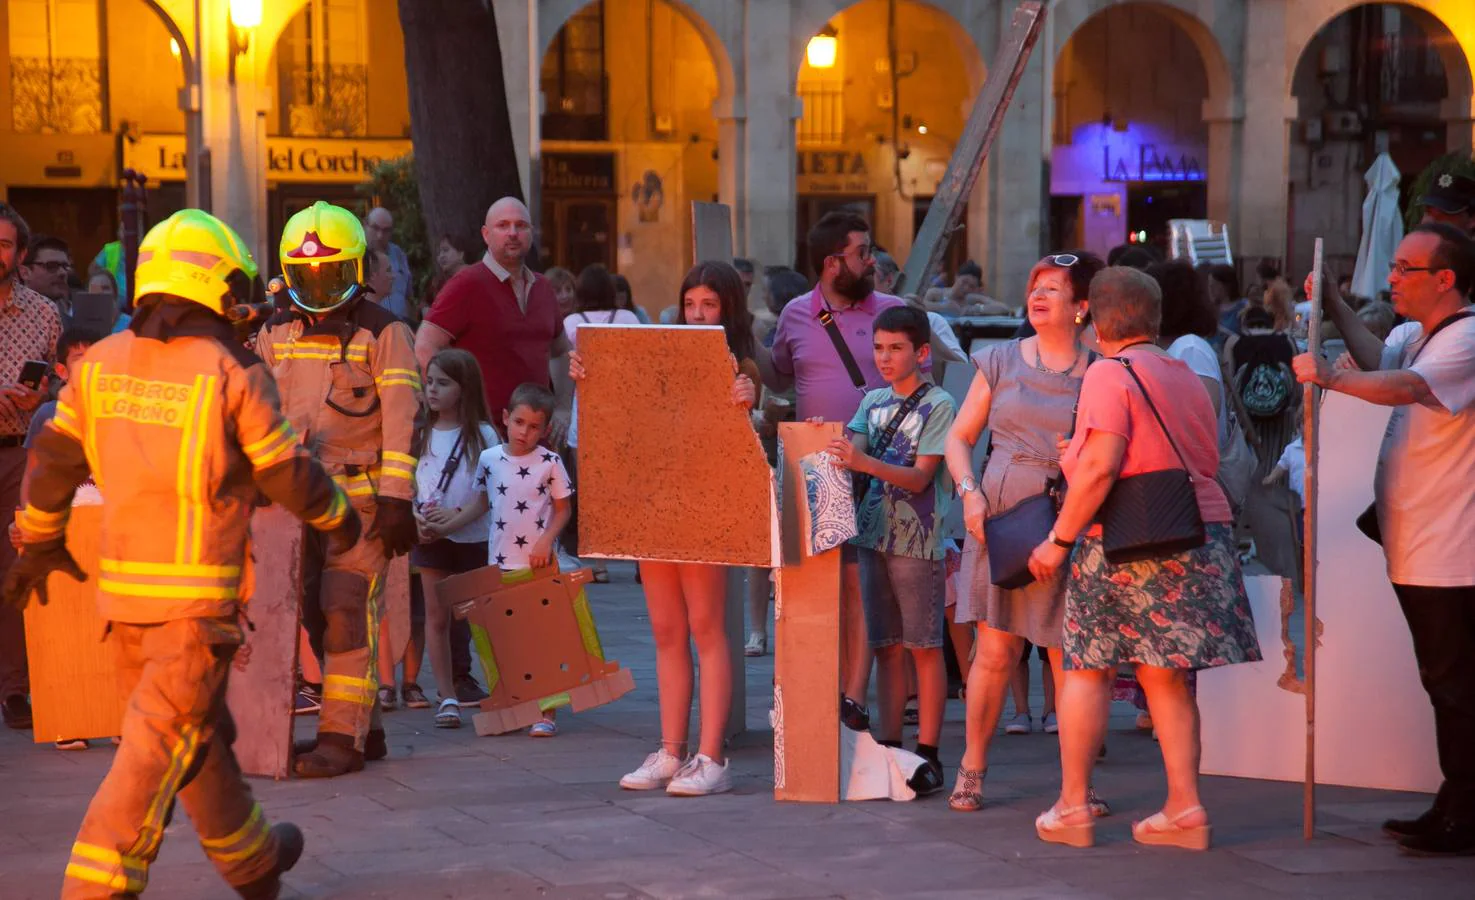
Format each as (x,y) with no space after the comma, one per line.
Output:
(322,286)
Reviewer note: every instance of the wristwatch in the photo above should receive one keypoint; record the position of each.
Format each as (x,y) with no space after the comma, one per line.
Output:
(1055,539)
(967,485)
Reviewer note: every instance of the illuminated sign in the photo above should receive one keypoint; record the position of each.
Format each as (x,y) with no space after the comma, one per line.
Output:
(162,158)
(832,172)
(1149,164)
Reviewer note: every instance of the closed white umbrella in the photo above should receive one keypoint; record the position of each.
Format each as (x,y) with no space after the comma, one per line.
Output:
(1382,228)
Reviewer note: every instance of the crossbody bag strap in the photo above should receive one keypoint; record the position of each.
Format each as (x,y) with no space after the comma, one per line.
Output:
(827,319)
(1127,364)
(448,472)
(907,405)
(1445,323)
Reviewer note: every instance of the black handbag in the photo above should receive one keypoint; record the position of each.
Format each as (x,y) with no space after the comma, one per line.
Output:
(1012,536)
(1155,514)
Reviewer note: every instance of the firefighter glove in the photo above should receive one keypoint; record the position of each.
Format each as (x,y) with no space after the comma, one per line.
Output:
(394,524)
(29,572)
(342,538)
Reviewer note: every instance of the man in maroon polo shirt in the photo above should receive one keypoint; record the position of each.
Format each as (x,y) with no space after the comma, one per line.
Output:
(503,313)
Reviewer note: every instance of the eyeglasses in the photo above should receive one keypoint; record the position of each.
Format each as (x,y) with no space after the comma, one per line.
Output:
(1063,260)
(864,252)
(1401,268)
(55,265)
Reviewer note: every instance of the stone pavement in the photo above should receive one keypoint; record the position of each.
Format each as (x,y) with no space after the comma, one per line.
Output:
(451,815)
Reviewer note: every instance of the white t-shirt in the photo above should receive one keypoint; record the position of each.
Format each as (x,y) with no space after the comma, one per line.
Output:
(430,471)
(1425,481)
(1293,460)
(571,324)
(1201,358)
(521,491)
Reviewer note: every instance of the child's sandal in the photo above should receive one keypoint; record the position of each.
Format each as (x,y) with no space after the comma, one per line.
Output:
(449,714)
(967,795)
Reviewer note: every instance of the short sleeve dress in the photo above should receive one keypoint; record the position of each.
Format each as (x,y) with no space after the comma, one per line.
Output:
(1029,411)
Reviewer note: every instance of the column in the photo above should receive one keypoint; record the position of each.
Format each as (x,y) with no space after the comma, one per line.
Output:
(732,131)
(772,107)
(234,127)
(1224,117)
(1265,134)
(521,43)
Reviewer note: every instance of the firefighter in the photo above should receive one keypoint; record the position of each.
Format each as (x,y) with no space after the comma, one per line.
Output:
(351,388)
(180,427)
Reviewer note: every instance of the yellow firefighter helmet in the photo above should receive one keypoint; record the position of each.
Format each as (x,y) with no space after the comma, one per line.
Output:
(197,257)
(322,255)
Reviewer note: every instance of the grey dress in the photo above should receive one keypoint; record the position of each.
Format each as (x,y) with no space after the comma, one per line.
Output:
(1029,411)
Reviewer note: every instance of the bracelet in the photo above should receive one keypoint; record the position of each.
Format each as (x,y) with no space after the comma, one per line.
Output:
(1062,544)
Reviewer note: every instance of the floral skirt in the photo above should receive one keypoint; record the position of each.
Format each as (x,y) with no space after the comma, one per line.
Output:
(1187,611)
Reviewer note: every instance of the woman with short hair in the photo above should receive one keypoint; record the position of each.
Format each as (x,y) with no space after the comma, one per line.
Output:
(1168,615)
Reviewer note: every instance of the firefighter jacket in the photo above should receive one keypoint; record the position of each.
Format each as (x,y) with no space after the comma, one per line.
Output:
(351,388)
(180,427)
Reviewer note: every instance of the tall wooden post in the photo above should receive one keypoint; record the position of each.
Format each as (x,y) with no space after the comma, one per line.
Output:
(1311,417)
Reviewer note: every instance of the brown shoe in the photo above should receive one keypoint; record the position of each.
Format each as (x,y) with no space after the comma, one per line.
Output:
(333,756)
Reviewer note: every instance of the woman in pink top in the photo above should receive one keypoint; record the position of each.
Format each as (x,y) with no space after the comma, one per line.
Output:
(1166,617)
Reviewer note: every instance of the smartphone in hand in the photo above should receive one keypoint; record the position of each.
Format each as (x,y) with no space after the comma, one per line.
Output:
(32,372)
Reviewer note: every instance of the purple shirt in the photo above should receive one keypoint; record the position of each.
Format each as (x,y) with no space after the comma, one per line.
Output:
(802,350)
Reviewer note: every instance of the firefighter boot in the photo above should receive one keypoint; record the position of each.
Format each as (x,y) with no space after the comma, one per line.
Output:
(375,748)
(289,850)
(334,755)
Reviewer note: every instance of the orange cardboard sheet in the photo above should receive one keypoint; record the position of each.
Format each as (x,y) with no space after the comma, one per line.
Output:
(806,669)
(669,468)
(537,642)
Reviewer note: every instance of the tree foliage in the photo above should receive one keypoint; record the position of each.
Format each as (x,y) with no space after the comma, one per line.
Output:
(393,185)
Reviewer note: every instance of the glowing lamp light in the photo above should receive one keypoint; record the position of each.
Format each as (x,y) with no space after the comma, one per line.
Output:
(921,129)
(823,49)
(245,13)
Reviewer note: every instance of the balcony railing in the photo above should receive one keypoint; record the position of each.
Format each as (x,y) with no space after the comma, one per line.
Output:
(56,95)
(328,101)
(823,121)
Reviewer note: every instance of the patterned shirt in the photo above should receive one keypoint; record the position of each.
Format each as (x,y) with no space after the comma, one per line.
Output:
(892,519)
(520,491)
(29,329)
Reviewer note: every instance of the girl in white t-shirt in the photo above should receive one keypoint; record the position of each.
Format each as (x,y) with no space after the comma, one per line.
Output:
(457,429)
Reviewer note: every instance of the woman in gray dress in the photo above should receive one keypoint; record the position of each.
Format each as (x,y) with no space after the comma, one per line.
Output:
(1025,392)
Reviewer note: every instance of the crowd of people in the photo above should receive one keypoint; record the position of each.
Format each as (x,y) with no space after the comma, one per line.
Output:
(1133,387)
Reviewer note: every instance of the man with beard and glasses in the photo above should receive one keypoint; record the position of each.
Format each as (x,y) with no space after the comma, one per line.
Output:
(29,328)
(808,359)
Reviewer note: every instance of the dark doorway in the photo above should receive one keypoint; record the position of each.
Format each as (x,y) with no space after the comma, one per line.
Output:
(1065,222)
(1151,204)
(578,231)
(86,218)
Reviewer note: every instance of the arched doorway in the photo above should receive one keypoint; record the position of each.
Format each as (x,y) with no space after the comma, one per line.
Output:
(1130,147)
(1377,76)
(629,139)
(884,102)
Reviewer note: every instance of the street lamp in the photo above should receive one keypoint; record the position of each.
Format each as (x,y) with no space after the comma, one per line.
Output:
(245,17)
(823,48)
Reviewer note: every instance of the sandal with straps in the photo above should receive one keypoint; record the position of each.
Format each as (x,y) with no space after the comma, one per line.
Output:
(449,714)
(1099,808)
(1052,828)
(967,795)
(1160,831)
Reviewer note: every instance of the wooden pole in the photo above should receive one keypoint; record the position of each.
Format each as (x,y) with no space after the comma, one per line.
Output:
(1310,419)
(1005,70)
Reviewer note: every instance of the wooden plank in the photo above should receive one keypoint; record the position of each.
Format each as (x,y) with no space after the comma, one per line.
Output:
(1005,69)
(711,232)
(1311,420)
(669,468)
(264,673)
(396,608)
(74,672)
(806,668)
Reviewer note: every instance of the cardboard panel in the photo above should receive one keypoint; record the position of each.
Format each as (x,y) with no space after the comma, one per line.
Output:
(396,608)
(806,670)
(538,645)
(263,674)
(74,672)
(669,468)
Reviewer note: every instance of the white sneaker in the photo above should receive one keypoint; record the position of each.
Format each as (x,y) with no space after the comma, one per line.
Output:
(1020,724)
(700,776)
(1051,725)
(657,770)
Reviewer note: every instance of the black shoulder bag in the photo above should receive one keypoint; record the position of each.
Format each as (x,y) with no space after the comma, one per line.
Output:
(1368,523)
(861,483)
(827,319)
(1155,514)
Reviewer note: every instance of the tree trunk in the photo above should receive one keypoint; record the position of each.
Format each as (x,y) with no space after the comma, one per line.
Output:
(464,155)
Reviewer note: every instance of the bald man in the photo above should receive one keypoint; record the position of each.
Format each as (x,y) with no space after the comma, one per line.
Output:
(378,226)
(504,314)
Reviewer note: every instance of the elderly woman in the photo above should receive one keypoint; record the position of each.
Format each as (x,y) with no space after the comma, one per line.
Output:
(1165,616)
(1025,392)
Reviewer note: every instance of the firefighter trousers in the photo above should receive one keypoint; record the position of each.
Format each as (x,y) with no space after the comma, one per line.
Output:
(177,736)
(341,606)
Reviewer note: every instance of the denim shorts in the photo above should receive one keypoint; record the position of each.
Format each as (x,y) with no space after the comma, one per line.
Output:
(903,599)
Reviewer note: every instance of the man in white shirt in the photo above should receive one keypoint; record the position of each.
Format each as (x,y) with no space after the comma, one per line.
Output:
(1425,495)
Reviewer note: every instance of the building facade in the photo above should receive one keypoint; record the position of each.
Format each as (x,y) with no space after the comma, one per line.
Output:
(1262,114)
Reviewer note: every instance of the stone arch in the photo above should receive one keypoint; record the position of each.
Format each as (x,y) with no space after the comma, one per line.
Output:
(1457,53)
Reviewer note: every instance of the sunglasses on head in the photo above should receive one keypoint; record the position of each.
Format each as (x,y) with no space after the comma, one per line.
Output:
(1063,260)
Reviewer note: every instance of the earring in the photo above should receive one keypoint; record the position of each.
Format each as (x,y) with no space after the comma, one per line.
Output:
(1080,319)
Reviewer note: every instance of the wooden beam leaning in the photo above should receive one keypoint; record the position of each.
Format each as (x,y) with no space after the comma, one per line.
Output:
(978,137)
(1310,423)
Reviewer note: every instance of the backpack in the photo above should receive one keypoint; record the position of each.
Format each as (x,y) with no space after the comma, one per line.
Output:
(1265,388)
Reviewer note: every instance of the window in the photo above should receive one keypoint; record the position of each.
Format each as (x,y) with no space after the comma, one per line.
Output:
(573,81)
(56,70)
(322,71)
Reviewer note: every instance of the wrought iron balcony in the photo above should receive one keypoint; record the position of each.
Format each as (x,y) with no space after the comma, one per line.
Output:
(327,101)
(56,95)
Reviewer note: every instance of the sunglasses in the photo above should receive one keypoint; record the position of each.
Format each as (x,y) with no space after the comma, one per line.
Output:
(1063,260)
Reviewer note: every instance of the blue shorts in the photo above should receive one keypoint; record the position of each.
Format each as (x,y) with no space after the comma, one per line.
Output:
(903,599)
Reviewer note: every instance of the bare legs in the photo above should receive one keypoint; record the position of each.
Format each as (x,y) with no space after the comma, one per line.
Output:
(855,646)
(1175,715)
(995,654)
(685,602)
(438,633)
(758,582)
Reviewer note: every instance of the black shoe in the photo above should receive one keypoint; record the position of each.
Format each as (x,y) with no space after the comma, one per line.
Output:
(927,779)
(16,710)
(1444,838)
(1405,828)
(333,756)
(376,746)
(853,715)
(289,850)
(468,692)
